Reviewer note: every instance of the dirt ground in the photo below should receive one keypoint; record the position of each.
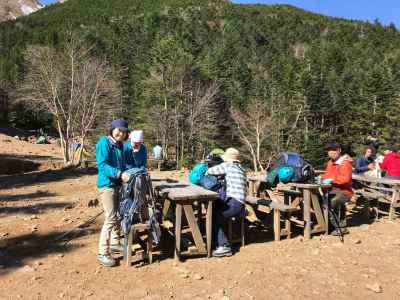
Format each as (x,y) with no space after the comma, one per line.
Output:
(39,261)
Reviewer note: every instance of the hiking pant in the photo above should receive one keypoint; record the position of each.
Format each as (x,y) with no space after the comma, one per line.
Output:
(109,234)
(338,202)
(223,211)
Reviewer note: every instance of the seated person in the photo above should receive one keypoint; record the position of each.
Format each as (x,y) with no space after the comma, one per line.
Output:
(135,151)
(339,171)
(391,163)
(365,162)
(234,200)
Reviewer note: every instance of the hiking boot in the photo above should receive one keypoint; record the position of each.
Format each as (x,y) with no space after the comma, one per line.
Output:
(106,260)
(222,251)
(343,231)
(116,249)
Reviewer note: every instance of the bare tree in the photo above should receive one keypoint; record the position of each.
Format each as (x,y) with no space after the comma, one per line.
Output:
(255,125)
(72,85)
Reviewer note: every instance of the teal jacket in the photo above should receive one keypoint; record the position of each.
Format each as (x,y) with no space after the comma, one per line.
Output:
(110,161)
(135,159)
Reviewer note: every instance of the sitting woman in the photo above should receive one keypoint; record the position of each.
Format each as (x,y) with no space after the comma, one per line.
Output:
(135,151)
(234,200)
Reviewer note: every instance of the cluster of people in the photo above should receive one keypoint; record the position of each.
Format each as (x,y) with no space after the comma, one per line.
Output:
(121,150)
(376,165)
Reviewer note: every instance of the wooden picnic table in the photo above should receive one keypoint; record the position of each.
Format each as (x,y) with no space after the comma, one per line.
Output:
(372,188)
(311,204)
(184,196)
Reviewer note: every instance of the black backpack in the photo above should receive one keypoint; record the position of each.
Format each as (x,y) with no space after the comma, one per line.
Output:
(303,170)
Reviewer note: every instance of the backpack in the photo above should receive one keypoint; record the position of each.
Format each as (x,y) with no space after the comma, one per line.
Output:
(210,183)
(303,170)
(197,173)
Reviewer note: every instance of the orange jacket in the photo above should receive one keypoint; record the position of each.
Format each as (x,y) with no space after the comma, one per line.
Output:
(341,173)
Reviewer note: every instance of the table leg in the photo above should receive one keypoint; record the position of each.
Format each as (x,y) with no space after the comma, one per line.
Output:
(166,206)
(178,230)
(277,224)
(392,208)
(325,205)
(252,188)
(317,210)
(198,239)
(307,214)
(209,226)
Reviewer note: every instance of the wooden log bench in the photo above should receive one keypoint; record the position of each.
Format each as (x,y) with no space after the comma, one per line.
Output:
(280,211)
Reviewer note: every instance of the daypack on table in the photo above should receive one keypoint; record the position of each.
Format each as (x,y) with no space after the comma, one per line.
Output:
(303,170)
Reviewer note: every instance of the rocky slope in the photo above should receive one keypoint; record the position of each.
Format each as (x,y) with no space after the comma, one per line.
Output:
(12,9)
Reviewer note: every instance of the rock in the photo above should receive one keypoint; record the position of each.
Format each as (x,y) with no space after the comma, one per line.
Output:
(34,278)
(28,269)
(38,263)
(249,272)
(65,219)
(93,202)
(61,295)
(4,234)
(34,228)
(375,287)
(34,217)
(225,298)
(358,241)
(197,277)
(364,227)
(184,275)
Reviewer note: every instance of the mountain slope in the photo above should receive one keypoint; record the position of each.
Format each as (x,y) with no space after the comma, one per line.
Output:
(323,78)
(11,9)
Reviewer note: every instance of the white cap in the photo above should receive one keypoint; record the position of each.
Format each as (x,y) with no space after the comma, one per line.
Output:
(137,136)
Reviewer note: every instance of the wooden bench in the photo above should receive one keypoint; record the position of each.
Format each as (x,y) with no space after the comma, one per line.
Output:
(279,210)
(135,236)
(372,189)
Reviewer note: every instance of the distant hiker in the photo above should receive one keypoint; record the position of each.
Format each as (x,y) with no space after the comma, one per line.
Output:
(391,162)
(111,165)
(339,172)
(135,151)
(157,152)
(233,203)
(365,162)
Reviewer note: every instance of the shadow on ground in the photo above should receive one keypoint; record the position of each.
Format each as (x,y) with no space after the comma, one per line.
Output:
(28,196)
(34,209)
(20,250)
(46,176)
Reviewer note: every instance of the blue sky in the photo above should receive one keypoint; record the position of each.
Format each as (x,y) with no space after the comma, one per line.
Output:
(385,11)
(368,10)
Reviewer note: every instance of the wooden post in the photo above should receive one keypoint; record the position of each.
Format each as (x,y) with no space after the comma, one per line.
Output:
(209,226)
(178,230)
(128,248)
(288,229)
(395,199)
(307,213)
(277,224)
(325,207)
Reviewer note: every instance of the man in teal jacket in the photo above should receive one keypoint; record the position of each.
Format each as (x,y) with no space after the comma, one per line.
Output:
(111,165)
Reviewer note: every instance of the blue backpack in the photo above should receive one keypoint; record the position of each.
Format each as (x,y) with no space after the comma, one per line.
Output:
(303,170)
(197,173)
